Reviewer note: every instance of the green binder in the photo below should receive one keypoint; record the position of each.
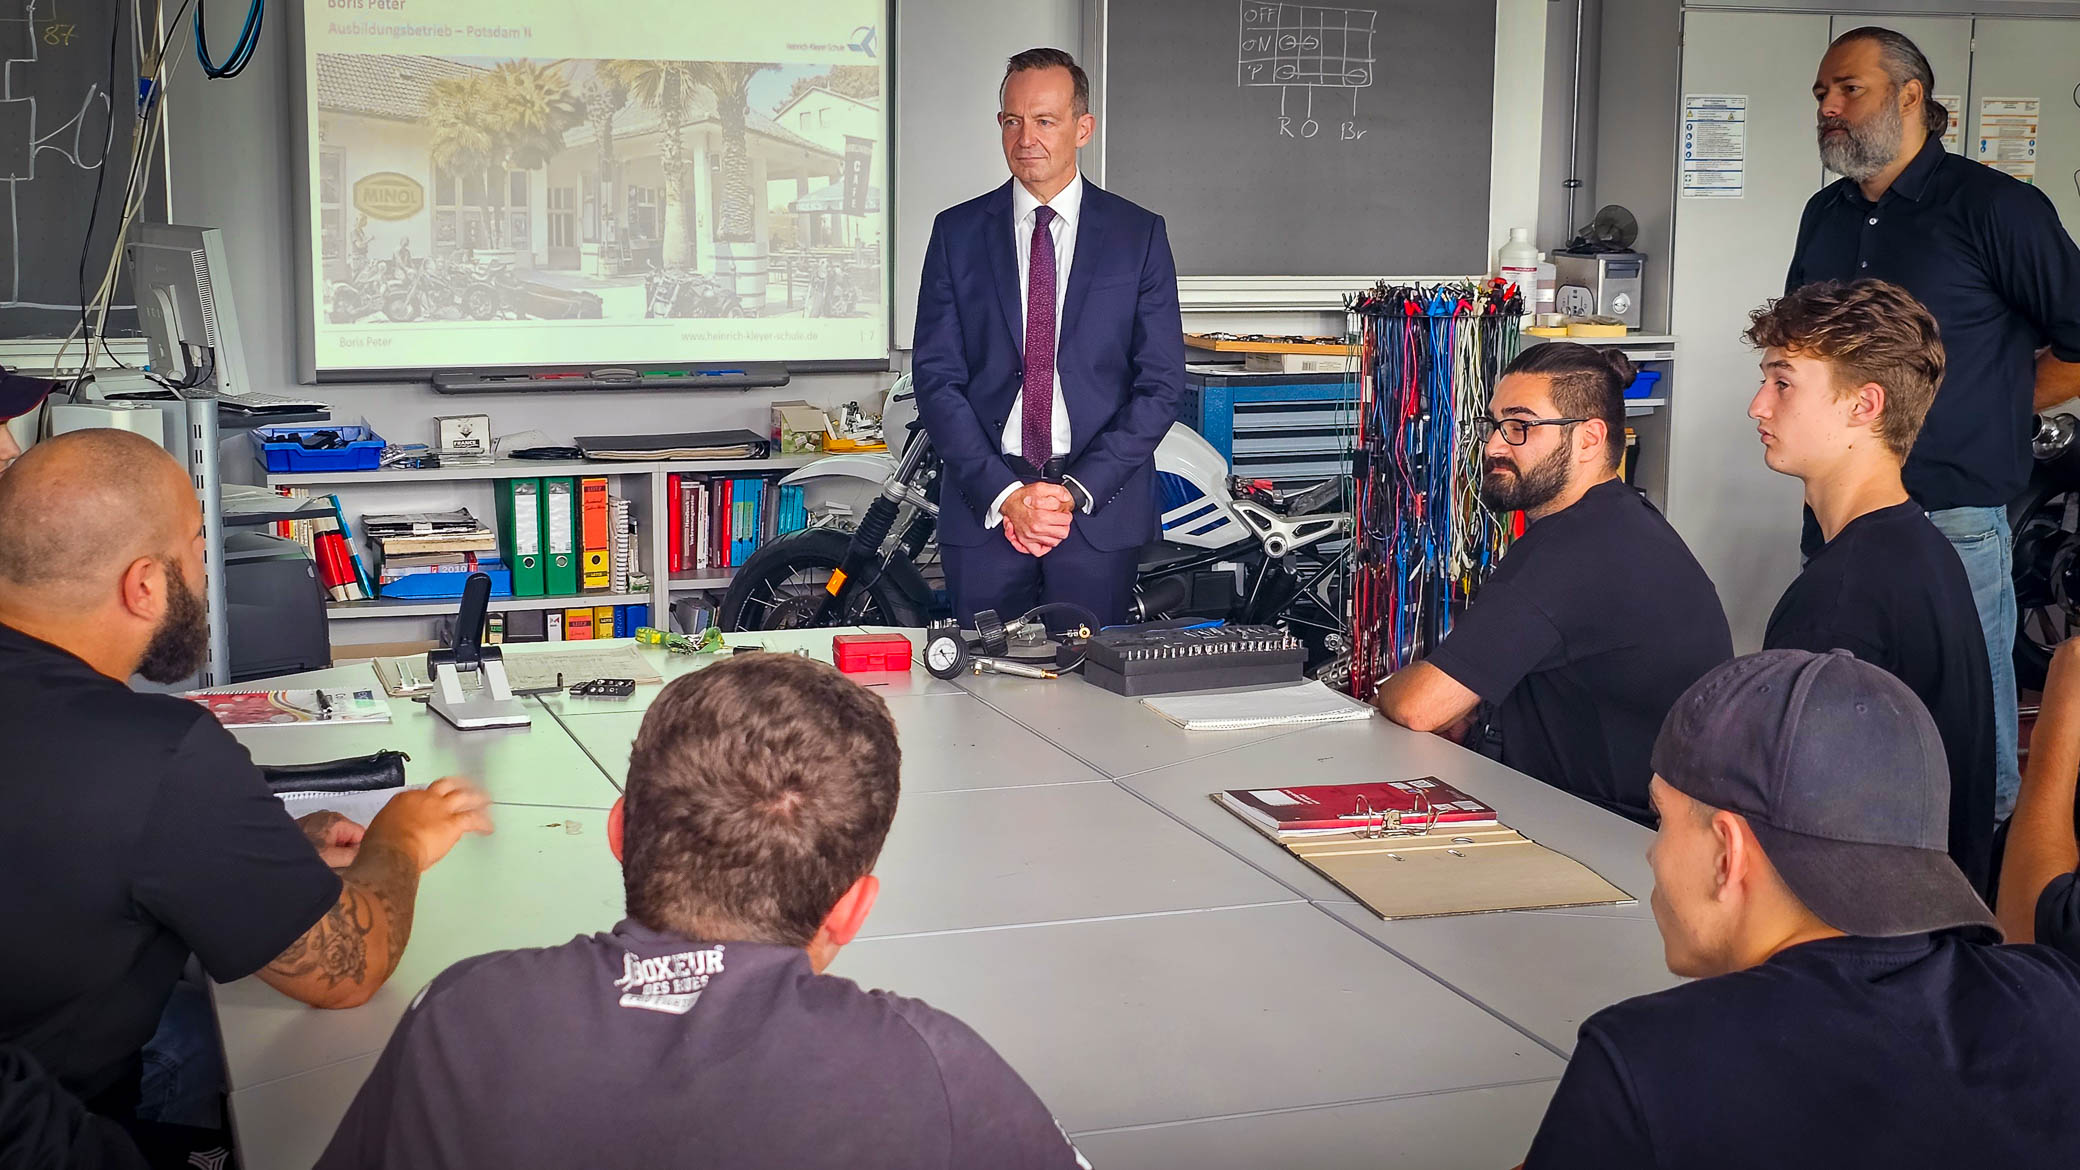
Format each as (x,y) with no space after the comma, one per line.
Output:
(520,534)
(560,536)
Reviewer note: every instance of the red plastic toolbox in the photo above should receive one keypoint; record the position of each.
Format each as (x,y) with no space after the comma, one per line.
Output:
(858,652)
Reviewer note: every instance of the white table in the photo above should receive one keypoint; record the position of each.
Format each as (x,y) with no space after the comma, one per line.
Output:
(1177,988)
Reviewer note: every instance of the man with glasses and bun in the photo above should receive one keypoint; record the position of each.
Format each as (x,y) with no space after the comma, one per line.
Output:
(1598,616)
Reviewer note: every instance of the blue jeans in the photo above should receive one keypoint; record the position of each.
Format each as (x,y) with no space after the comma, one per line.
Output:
(1984,543)
(183,1080)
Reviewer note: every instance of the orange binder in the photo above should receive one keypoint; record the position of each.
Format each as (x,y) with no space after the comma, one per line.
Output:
(596,545)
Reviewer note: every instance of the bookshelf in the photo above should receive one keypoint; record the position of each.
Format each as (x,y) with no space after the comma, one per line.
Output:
(408,607)
(1647,417)
(433,488)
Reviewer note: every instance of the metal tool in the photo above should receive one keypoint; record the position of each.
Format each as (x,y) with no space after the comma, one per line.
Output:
(493,704)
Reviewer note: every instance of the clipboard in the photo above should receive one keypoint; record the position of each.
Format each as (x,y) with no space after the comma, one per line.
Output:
(1431,873)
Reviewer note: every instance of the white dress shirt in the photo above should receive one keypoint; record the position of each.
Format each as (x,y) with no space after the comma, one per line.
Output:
(1068,206)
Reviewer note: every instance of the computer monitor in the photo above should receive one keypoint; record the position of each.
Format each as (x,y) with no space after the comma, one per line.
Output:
(184,303)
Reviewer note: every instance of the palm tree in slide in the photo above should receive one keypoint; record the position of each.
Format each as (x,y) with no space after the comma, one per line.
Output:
(730,82)
(667,87)
(604,98)
(508,118)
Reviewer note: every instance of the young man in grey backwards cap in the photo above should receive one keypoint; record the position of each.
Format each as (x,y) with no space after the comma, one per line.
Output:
(1850,1004)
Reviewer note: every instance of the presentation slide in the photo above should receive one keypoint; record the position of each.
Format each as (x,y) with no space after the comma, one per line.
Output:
(502,184)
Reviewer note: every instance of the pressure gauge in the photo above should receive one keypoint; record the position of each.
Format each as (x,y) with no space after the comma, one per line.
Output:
(945,651)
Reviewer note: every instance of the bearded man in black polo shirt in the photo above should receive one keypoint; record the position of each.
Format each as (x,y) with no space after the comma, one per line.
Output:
(701,1031)
(1986,254)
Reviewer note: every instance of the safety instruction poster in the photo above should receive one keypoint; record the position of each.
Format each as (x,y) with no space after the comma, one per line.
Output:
(1953,136)
(1715,145)
(2008,135)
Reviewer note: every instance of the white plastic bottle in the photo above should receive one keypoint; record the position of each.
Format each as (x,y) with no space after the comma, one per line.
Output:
(1517,262)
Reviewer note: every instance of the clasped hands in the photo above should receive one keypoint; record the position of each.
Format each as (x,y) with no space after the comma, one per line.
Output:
(1037,517)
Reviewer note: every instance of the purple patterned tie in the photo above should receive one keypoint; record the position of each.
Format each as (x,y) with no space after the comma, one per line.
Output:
(1038,411)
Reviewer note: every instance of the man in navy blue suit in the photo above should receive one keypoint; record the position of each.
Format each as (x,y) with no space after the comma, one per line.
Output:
(1049,361)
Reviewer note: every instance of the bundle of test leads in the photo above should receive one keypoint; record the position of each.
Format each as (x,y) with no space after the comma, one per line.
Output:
(1431,355)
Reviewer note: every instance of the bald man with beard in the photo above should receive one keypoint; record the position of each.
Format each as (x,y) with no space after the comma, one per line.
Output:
(134,830)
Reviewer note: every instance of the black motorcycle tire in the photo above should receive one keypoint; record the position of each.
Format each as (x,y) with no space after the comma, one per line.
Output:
(401,307)
(2032,661)
(816,551)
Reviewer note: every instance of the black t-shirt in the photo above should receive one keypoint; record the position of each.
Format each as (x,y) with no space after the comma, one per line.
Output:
(624,1049)
(1594,624)
(1889,589)
(134,831)
(1923,1051)
(2058,915)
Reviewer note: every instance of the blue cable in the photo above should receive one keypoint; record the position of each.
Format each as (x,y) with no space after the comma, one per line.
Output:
(241,51)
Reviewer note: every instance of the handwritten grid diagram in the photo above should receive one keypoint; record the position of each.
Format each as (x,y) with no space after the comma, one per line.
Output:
(1305,44)
(31,30)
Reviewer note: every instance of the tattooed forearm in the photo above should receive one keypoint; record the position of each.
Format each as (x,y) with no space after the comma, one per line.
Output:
(360,940)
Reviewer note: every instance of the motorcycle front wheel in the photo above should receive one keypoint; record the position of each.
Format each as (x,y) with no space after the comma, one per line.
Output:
(481,302)
(782,585)
(401,307)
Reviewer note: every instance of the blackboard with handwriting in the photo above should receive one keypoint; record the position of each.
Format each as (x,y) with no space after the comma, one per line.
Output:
(68,118)
(1286,139)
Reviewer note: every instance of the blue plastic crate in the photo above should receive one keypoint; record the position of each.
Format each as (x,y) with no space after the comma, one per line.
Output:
(279,450)
(1643,384)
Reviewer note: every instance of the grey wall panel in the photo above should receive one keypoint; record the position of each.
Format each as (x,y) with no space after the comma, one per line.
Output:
(1740,518)
(949,59)
(2039,59)
(1634,143)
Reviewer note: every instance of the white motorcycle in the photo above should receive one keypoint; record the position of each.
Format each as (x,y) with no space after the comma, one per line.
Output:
(1229,548)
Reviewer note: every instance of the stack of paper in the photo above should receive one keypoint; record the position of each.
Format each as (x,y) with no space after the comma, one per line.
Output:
(1302,703)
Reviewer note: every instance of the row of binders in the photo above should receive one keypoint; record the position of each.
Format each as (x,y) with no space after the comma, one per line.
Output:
(556,537)
(580,624)
(560,535)
(718,521)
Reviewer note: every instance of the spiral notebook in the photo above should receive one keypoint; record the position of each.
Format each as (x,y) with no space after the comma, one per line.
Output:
(1288,706)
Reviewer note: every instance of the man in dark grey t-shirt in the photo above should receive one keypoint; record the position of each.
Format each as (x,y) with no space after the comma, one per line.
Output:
(701,1030)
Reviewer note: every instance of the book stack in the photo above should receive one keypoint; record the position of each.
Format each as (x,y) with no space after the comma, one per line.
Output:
(299,530)
(338,561)
(431,554)
(717,522)
(578,624)
(622,530)
(695,613)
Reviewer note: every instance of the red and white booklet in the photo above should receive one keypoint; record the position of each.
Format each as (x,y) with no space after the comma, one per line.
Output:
(1344,808)
(292,708)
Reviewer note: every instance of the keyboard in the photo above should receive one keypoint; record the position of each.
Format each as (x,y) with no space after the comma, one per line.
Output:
(257,403)
(252,403)
(1143,661)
